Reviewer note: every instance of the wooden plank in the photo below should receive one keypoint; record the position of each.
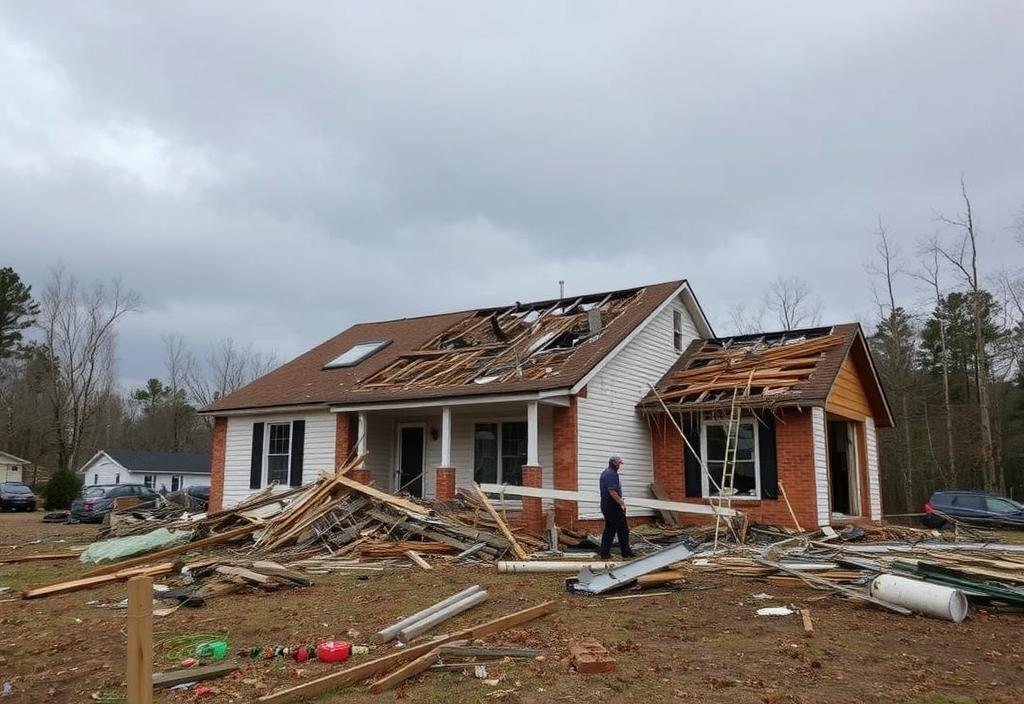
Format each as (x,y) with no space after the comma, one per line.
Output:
(517,549)
(789,506)
(656,578)
(369,669)
(564,495)
(162,680)
(38,558)
(669,517)
(86,582)
(420,664)
(140,640)
(635,596)
(420,562)
(805,614)
(248,575)
(170,552)
(379,495)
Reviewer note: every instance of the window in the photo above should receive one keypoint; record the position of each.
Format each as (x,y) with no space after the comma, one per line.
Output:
(972,502)
(278,453)
(677,330)
(149,480)
(356,354)
(1001,505)
(95,479)
(746,482)
(117,478)
(176,481)
(499,441)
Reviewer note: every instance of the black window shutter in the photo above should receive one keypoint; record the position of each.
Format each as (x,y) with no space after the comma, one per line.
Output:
(256,463)
(691,464)
(298,440)
(767,458)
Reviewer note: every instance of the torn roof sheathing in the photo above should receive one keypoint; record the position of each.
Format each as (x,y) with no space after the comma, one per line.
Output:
(763,370)
(308,379)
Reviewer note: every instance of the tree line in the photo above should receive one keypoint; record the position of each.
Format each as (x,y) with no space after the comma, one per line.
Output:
(59,397)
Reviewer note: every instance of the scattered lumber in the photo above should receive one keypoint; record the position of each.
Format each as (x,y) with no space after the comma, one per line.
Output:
(419,561)
(163,680)
(86,582)
(659,578)
(805,614)
(420,664)
(517,549)
(563,495)
(670,517)
(38,558)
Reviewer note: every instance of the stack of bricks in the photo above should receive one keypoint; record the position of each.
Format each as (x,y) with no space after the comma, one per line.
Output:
(590,657)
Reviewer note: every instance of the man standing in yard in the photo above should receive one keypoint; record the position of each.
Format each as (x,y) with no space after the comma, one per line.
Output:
(613,507)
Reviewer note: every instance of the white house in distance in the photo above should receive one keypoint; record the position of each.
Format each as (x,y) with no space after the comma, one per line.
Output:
(12,469)
(161,471)
(537,393)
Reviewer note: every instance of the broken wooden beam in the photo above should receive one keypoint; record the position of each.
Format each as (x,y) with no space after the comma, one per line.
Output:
(420,664)
(658,578)
(162,680)
(38,558)
(563,495)
(419,561)
(517,549)
(72,585)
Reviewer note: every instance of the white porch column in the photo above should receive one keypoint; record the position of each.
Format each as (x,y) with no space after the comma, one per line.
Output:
(532,435)
(362,430)
(446,436)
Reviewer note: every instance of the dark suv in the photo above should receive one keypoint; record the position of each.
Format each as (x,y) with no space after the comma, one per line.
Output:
(97,501)
(17,496)
(973,507)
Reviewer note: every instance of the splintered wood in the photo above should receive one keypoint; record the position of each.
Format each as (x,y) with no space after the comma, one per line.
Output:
(756,370)
(524,342)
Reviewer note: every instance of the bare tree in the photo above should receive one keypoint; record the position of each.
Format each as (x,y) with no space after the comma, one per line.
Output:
(789,300)
(79,327)
(963,257)
(227,368)
(746,322)
(929,274)
(176,364)
(898,342)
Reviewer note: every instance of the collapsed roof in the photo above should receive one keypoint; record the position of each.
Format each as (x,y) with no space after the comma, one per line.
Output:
(767,370)
(523,347)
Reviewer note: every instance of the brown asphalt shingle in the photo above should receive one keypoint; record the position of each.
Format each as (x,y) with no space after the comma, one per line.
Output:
(303,380)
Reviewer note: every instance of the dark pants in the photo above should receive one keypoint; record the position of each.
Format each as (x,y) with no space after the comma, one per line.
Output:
(614,524)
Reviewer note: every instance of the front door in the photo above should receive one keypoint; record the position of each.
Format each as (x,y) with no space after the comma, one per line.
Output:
(843,467)
(410,459)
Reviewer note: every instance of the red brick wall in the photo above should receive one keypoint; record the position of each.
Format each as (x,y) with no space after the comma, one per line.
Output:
(343,440)
(533,513)
(445,484)
(564,427)
(217,454)
(794,442)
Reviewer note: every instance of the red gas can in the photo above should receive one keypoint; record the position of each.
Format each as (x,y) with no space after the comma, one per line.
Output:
(333,651)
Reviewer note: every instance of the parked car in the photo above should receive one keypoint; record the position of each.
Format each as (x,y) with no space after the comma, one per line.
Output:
(15,495)
(973,507)
(97,501)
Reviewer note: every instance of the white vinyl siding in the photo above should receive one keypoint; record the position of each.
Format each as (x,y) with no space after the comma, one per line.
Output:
(318,449)
(608,420)
(874,487)
(820,465)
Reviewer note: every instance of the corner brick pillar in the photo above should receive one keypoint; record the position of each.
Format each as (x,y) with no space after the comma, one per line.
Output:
(360,474)
(217,454)
(445,487)
(667,452)
(566,461)
(533,515)
(343,442)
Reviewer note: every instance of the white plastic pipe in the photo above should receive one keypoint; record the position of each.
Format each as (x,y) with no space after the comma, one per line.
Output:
(391,631)
(566,566)
(926,598)
(424,625)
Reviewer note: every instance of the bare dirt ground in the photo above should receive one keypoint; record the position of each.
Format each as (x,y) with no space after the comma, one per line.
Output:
(703,644)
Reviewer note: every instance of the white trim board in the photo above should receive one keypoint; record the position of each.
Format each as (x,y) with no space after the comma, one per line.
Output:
(555,397)
(564,495)
(820,465)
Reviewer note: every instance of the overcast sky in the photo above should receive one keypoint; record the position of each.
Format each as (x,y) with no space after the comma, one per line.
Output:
(275,172)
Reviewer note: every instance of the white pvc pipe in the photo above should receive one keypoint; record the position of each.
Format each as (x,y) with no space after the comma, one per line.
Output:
(424,625)
(926,598)
(391,631)
(566,566)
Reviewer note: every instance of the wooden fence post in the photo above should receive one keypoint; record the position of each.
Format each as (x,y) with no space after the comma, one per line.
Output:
(140,640)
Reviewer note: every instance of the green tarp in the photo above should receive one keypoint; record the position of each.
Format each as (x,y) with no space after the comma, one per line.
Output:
(120,548)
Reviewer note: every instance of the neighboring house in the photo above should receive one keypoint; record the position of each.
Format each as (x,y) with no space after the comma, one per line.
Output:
(809,404)
(533,393)
(12,469)
(162,471)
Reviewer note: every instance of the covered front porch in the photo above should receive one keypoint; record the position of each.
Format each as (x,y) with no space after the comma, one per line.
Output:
(429,448)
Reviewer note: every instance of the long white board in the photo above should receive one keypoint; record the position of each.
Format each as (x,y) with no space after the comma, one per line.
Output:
(563,495)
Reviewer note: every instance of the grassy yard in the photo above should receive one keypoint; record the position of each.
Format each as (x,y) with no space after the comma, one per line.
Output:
(700,644)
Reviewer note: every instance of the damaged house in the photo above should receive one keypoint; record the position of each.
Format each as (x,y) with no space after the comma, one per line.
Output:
(533,394)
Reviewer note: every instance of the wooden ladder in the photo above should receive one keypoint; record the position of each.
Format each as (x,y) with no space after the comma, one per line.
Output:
(732,439)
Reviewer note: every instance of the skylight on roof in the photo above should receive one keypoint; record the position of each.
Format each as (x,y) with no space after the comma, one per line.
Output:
(356,354)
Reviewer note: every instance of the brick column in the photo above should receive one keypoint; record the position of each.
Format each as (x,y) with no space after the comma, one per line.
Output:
(217,453)
(361,474)
(667,451)
(343,443)
(445,487)
(566,460)
(533,514)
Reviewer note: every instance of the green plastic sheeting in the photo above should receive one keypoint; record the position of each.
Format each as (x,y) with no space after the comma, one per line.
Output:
(120,548)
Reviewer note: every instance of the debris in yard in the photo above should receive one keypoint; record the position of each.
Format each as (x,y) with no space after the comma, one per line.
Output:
(120,548)
(590,657)
(392,631)
(173,678)
(637,596)
(37,558)
(920,597)
(622,575)
(775,611)
(805,614)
